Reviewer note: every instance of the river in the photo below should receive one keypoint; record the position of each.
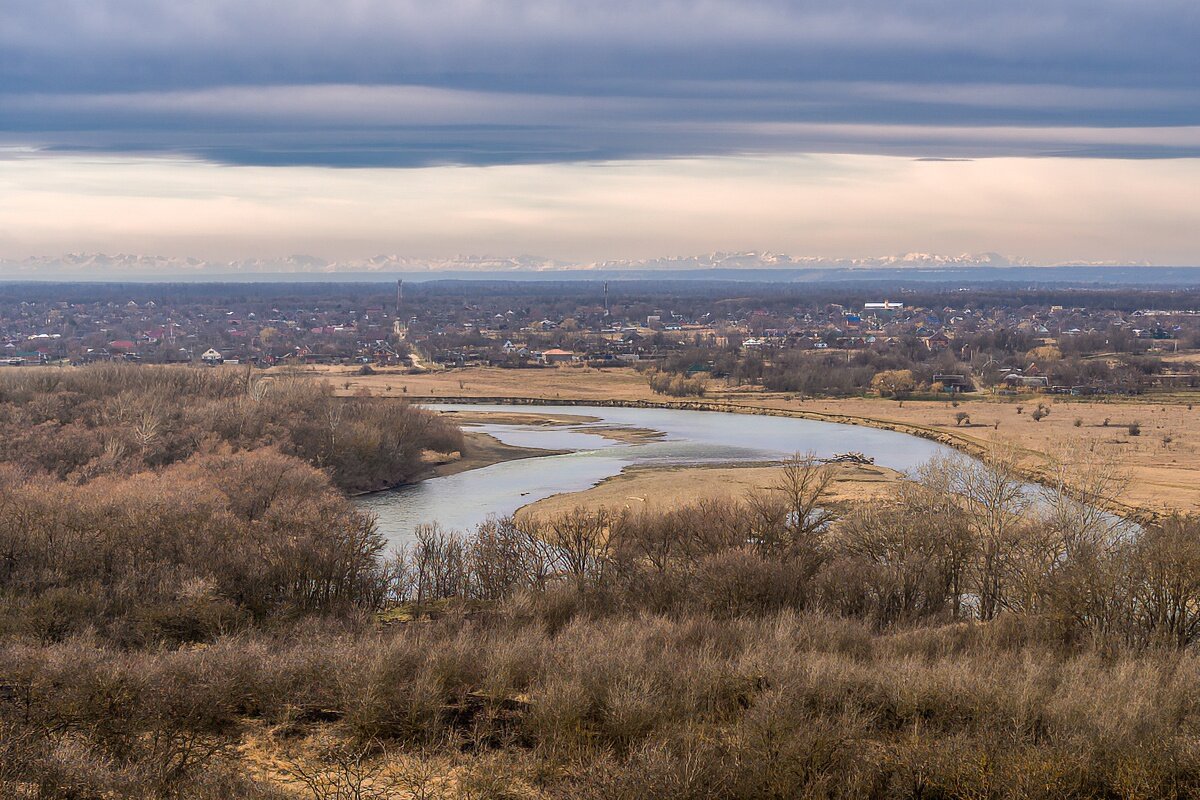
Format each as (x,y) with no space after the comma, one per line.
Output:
(461,501)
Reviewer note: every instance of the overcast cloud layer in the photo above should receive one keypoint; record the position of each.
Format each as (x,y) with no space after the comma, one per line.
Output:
(395,83)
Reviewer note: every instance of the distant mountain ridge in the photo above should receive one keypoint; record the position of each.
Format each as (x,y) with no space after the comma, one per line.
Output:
(102,266)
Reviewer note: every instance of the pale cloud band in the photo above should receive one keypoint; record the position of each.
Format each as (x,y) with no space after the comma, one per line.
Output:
(1049,210)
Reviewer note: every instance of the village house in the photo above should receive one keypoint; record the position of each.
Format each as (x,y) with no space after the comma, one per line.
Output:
(936,341)
(555,356)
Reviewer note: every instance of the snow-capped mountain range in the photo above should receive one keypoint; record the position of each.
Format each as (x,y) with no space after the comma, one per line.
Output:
(101,266)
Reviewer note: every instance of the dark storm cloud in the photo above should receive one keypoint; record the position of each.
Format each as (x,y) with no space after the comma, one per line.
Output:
(498,81)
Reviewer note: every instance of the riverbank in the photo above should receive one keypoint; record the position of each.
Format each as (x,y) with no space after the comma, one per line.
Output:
(479,450)
(655,488)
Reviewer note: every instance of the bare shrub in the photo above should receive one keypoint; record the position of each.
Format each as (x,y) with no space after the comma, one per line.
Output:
(677,385)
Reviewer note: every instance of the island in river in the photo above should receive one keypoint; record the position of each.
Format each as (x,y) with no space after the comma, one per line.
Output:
(642,486)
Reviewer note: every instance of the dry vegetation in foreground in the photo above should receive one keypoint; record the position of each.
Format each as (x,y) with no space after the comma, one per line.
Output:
(542,700)
(205,631)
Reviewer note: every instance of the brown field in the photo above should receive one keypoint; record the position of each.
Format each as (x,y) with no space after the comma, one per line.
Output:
(661,489)
(1181,358)
(566,383)
(1162,462)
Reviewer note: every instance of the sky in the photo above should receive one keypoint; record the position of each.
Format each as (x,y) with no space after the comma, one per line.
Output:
(1051,130)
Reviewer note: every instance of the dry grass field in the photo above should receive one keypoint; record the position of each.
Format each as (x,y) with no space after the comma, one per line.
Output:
(561,383)
(661,489)
(1162,460)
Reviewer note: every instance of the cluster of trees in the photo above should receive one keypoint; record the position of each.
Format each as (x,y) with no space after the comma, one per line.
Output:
(118,419)
(208,546)
(814,372)
(144,510)
(952,641)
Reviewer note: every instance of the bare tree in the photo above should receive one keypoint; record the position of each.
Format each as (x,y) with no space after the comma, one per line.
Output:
(792,515)
(994,501)
(1061,564)
(1165,574)
(768,514)
(911,561)
(438,563)
(1082,485)
(579,544)
(503,556)
(804,483)
(334,411)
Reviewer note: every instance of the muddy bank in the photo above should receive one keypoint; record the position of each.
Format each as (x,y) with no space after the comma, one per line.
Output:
(616,433)
(480,450)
